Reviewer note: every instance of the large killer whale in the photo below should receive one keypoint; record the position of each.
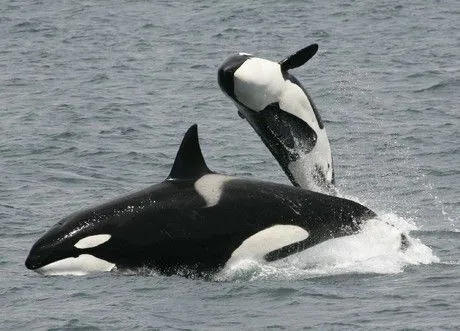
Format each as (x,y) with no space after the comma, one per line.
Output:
(283,114)
(195,220)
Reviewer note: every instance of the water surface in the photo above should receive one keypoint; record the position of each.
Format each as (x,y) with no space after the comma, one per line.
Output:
(95,98)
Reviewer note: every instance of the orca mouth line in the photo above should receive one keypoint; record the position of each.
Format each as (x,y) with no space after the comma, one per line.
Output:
(38,258)
(30,264)
(35,262)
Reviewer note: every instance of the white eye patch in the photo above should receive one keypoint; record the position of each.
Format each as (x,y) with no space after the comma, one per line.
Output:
(92,241)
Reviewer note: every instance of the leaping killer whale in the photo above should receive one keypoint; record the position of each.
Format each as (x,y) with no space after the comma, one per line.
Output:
(282,113)
(195,220)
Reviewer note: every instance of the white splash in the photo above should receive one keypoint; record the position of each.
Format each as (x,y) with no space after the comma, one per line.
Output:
(376,249)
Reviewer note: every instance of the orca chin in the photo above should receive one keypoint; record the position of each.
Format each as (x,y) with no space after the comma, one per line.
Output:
(77,266)
(195,220)
(38,257)
(41,256)
(32,262)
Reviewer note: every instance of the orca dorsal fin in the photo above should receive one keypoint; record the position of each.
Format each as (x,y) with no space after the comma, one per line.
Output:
(189,162)
(298,58)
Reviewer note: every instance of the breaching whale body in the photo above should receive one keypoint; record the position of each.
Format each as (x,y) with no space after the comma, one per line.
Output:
(282,113)
(195,221)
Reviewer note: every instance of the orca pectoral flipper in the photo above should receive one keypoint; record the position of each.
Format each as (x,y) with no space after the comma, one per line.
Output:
(290,249)
(298,58)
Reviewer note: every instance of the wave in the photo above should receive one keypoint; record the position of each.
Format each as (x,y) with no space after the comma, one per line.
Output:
(452,82)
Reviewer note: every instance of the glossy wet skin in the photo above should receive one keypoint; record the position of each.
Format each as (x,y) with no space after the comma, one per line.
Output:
(282,113)
(194,219)
(173,224)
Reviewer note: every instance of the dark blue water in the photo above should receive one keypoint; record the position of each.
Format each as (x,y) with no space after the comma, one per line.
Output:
(95,97)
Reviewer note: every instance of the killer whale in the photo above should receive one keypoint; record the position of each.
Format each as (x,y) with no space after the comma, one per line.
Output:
(195,220)
(283,114)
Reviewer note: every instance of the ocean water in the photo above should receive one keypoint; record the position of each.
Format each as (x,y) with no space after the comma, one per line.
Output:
(96,95)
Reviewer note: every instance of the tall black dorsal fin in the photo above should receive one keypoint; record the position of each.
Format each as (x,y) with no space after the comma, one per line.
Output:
(189,162)
(299,58)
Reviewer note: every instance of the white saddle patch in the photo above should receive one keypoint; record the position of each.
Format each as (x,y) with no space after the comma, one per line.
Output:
(92,241)
(209,187)
(77,266)
(267,240)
